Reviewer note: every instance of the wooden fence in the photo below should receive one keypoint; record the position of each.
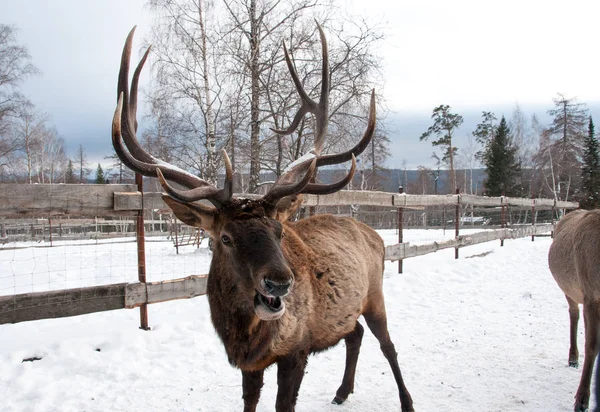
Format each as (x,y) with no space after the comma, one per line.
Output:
(26,201)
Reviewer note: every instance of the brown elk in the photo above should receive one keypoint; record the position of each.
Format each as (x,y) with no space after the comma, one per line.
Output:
(573,262)
(278,291)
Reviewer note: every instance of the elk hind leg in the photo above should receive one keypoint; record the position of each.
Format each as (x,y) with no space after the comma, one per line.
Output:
(574,320)
(377,323)
(591,318)
(353,341)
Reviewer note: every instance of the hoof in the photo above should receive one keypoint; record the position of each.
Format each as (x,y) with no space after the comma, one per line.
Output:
(574,364)
(338,401)
(582,406)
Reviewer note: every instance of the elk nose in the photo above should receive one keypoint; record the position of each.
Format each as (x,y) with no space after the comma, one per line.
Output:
(276,288)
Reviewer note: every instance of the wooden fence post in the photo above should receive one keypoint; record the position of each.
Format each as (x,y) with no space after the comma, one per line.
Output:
(400,227)
(176,234)
(141,251)
(457,221)
(502,216)
(532,216)
(552,218)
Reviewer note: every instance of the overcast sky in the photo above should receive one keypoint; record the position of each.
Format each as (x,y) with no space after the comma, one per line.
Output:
(472,55)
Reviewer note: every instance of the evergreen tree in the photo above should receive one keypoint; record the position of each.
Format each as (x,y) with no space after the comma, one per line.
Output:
(100,176)
(69,173)
(502,164)
(590,171)
(444,125)
(484,134)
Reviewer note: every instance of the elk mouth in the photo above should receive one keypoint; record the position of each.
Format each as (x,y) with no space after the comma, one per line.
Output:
(268,307)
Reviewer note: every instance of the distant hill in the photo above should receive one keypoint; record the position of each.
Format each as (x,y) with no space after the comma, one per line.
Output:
(388,180)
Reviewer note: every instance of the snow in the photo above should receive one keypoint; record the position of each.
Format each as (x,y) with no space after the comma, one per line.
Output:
(486,332)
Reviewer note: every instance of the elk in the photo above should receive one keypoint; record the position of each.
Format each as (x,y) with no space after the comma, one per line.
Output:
(573,262)
(277,290)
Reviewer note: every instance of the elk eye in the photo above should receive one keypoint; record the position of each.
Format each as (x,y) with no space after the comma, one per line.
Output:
(226,240)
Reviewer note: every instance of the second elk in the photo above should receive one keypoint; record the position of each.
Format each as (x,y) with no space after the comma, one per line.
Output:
(277,290)
(573,261)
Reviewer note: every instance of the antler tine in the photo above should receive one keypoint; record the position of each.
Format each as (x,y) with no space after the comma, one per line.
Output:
(320,110)
(130,100)
(332,159)
(322,189)
(323,114)
(211,193)
(279,191)
(138,159)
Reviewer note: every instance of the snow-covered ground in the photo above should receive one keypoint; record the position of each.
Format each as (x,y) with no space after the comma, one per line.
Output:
(486,332)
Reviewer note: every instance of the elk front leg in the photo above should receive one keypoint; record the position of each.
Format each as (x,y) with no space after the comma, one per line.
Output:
(290,371)
(252,383)
(591,318)
(574,320)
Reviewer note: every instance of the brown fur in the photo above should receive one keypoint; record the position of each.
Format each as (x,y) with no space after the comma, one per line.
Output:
(573,261)
(337,266)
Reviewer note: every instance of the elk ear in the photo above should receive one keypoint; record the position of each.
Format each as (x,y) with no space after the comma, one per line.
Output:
(287,206)
(192,214)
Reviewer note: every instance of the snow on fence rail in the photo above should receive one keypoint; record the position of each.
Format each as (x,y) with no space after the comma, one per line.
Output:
(17,200)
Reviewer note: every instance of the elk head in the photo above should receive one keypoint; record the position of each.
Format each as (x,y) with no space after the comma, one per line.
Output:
(247,233)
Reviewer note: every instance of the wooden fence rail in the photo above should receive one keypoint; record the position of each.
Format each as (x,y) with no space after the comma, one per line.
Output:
(17,200)
(80,301)
(406,250)
(21,200)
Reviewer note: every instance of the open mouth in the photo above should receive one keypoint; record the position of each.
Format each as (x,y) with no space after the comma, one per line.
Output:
(268,307)
(274,304)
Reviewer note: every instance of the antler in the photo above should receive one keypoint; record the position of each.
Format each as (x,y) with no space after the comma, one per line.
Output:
(314,160)
(142,162)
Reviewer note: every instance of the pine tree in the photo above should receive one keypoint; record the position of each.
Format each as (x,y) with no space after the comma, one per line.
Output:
(100,176)
(445,123)
(590,171)
(502,164)
(69,173)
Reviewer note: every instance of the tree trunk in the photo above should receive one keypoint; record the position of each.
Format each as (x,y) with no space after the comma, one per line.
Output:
(211,142)
(254,105)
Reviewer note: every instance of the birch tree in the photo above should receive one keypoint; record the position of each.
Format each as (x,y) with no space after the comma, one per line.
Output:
(187,84)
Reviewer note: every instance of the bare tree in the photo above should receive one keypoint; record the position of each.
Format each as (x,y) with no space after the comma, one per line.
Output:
(81,162)
(468,160)
(353,70)
(526,133)
(117,172)
(558,159)
(29,130)
(254,30)
(210,87)
(187,82)
(51,157)
(15,67)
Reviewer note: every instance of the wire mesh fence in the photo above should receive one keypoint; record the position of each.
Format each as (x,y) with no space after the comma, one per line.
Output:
(41,254)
